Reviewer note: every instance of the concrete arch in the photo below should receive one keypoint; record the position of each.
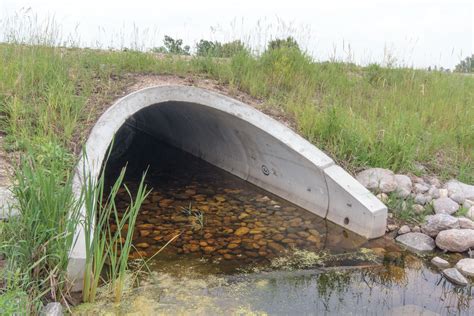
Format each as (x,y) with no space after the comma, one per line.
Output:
(241,140)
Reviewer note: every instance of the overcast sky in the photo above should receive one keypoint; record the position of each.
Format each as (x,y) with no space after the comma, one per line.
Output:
(416,33)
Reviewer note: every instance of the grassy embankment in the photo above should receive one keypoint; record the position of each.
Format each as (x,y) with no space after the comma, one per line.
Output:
(362,116)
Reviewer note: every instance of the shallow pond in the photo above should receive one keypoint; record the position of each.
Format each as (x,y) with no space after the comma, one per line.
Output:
(238,249)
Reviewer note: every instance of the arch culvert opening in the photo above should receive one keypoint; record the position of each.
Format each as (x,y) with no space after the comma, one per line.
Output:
(198,162)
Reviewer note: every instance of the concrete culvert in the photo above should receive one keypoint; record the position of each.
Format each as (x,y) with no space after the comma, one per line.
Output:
(239,139)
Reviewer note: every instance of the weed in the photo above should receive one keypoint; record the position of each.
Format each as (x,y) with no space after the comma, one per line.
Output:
(103,245)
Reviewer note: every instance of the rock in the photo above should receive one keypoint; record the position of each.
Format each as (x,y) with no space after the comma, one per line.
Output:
(434,193)
(142,245)
(416,229)
(434,182)
(404,185)
(243,215)
(378,179)
(436,223)
(455,240)
(418,209)
(242,231)
(465,223)
(420,188)
(382,197)
(445,205)
(52,309)
(468,204)
(404,229)
(440,263)
(276,247)
(443,193)
(459,191)
(470,213)
(416,242)
(422,199)
(466,267)
(392,227)
(453,275)
(313,239)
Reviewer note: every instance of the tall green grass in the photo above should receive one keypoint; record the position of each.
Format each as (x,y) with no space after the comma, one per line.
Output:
(37,242)
(107,249)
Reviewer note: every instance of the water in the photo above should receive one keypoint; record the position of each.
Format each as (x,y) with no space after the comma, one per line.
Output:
(276,259)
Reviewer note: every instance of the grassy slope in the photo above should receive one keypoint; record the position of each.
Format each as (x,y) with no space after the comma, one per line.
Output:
(369,116)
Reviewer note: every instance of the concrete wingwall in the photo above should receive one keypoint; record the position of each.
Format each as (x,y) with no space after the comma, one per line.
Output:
(241,140)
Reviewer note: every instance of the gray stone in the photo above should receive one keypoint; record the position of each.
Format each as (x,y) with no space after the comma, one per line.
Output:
(453,275)
(417,208)
(416,229)
(404,229)
(434,182)
(443,193)
(440,262)
(7,204)
(404,185)
(416,242)
(465,223)
(436,223)
(459,191)
(382,197)
(420,188)
(466,267)
(468,204)
(378,179)
(470,213)
(52,309)
(445,205)
(455,240)
(422,199)
(434,193)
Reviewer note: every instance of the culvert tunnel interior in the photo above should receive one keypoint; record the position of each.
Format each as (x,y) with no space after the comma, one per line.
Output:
(224,141)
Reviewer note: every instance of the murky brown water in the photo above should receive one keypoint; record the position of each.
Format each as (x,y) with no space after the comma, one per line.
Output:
(241,250)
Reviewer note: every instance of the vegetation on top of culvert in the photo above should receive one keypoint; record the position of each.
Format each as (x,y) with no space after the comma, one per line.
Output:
(390,117)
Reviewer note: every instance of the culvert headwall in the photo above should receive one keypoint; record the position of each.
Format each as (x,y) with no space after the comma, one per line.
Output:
(241,140)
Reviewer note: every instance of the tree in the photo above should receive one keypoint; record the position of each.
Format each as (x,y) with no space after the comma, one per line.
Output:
(278,43)
(172,46)
(466,65)
(217,49)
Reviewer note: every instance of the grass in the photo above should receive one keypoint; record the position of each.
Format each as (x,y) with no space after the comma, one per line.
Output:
(107,249)
(37,243)
(362,116)
(373,116)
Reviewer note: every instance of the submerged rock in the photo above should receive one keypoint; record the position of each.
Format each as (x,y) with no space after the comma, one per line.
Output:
(440,262)
(453,275)
(445,205)
(455,240)
(466,267)
(416,242)
(378,179)
(436,223)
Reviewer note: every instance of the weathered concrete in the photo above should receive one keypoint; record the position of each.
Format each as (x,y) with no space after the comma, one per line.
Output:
(241,140)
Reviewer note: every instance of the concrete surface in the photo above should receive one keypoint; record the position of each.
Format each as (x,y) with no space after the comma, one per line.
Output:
(241,140)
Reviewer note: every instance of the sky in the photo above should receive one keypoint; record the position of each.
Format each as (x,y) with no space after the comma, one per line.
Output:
(418,33)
